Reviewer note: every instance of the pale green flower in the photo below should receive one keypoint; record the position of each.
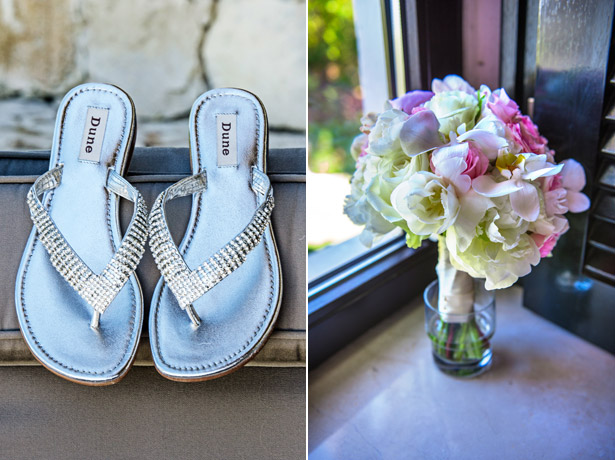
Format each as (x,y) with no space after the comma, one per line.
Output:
(456,111)
(484,258)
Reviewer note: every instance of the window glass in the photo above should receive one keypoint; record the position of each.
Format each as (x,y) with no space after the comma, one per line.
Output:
(334,119)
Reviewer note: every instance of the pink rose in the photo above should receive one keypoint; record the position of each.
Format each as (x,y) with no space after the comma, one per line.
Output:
(410,100)
(545,243)
(476,161)
(503,107)
(524,132)
(459,164)
(530,137)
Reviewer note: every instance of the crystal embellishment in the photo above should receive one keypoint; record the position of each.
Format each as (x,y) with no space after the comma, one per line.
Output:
(97,290)
(188,285)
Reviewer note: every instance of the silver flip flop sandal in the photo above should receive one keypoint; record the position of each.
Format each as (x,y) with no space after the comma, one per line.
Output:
(220,293)
(76,266)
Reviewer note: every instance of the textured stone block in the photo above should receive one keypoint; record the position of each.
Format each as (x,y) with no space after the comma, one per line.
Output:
(260,46)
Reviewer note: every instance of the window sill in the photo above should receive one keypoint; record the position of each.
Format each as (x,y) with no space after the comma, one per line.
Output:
(383,397)
(351,299)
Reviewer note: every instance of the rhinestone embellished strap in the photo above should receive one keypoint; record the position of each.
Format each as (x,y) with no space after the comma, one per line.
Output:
(98,290)
(188,285)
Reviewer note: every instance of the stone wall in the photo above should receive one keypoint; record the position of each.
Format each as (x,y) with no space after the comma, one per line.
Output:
(164,53)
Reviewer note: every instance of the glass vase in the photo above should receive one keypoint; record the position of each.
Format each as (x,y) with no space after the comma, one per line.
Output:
(461,343)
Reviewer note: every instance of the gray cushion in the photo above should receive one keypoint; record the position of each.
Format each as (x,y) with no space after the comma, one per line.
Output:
(151,170)
(256,413)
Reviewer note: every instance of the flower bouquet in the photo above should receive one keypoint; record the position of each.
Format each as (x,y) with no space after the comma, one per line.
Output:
(465,167)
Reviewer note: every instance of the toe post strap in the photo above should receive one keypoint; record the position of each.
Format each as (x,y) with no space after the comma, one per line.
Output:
(97,290)
(187,284)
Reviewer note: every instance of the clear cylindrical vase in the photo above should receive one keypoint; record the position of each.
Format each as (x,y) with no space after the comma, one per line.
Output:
(461,343)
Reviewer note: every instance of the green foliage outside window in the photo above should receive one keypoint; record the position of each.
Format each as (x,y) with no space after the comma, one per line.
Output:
(334,93)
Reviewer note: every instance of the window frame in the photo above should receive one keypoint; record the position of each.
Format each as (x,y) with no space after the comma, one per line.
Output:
(341,301)
(366,293)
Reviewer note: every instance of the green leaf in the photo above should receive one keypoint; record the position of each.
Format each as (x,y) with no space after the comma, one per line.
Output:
(413,241)
(481,102)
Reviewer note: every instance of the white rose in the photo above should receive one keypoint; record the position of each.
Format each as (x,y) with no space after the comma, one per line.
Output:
(358,208)
(384,135)
(426,203)
(451,83)
(391,171)
(503,225)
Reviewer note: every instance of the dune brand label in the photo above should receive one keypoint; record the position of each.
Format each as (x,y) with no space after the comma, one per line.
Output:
(93,134)
(227,139)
